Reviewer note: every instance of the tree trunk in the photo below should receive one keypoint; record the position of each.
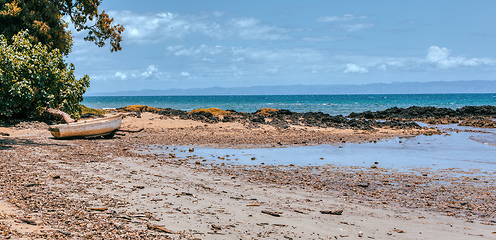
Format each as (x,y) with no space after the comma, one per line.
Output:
(67,118)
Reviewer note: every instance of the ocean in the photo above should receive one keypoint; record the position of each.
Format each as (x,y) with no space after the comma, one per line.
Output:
(331,104)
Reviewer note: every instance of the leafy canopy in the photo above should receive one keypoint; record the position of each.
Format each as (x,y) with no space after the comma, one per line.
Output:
(34,38)
(33,77)
(43,19)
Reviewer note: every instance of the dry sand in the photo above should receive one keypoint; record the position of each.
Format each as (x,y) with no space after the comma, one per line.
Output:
(112,189)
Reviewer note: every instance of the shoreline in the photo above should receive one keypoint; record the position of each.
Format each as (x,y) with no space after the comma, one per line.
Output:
(98,188)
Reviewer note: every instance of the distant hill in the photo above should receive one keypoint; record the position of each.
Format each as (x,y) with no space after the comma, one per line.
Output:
(475,86)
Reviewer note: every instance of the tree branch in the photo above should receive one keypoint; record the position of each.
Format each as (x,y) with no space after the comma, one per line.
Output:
(67,118)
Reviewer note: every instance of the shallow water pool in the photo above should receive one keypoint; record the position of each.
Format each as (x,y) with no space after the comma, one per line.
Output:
(463,150)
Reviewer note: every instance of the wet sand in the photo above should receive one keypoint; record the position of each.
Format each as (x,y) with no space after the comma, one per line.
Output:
(114,189)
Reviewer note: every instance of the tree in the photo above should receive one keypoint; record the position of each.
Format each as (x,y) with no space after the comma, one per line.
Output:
(34,38)
(44,20)
(34,78)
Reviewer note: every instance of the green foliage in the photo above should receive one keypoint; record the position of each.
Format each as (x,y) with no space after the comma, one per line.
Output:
(43,19)
(32,77)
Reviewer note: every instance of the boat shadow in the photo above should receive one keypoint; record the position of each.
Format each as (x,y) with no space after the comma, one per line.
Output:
(116,136)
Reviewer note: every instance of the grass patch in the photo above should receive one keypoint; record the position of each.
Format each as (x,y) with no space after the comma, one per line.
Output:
(266,111)
(214,111)
(85,109)
(140,108)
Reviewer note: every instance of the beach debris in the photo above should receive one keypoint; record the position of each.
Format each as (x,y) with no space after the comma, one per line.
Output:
(398,230)
(54,176)
(253,205)
(159,228)
(253,158)
(31,185)
(99,209)
(299,211)
(364,185)
(186,194)
(272,213)
(197,162)
(216,227)
(360,234)
(191,150)
(172,155)
(332,212)
(130,131)
(27,220)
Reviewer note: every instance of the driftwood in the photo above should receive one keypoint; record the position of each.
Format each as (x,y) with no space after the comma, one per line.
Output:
(159,228)
(130,131)
(67,118)
(333,212)
(275,214)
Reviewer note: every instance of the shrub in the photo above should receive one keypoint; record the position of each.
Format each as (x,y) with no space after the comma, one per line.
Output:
(33,78)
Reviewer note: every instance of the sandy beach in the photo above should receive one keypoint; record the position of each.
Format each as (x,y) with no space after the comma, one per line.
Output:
(119,189)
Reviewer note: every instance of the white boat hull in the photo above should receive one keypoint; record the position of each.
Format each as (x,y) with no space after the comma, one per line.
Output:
(89,128)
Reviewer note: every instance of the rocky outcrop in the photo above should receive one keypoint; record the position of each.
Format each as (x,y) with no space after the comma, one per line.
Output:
(416,112)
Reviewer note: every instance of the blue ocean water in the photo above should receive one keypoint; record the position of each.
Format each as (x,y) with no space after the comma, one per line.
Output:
(331,104)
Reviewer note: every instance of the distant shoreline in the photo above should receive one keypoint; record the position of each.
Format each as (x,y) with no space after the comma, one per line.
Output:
(323,94)
(438,87)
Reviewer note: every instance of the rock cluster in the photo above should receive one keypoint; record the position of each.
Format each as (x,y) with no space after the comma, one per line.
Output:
(416,112)
(281,118)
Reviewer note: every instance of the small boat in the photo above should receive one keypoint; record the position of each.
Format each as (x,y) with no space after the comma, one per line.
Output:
(105,127)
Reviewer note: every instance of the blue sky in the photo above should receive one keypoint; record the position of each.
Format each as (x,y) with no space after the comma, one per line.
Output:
(189,44)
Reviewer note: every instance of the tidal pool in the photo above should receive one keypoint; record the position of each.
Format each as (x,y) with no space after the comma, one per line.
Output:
(462,150)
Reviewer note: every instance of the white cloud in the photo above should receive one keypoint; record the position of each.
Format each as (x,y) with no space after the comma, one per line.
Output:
(355,27)
(251,28)
(158,27)
(150,71)
(174,48)
(352,68)
(121,75)
(347,22)
(346,17)
(185,74)
(203,49)
(436,54)
(441,58)
(436,58)
(324,38)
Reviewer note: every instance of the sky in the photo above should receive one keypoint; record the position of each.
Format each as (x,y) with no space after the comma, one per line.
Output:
(200,44)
